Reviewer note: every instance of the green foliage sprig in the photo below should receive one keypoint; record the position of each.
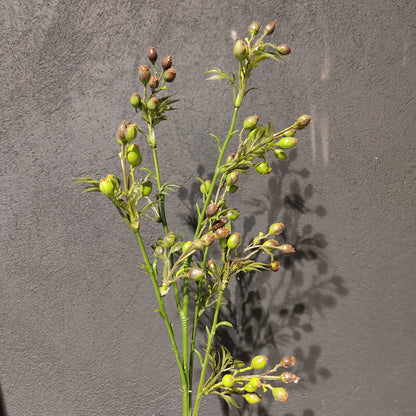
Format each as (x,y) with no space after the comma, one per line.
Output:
(140,194)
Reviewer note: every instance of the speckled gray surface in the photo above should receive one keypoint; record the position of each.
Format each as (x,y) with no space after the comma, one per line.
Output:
(78,332)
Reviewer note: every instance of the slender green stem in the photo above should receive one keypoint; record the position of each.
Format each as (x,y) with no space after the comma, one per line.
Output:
(163,314)
(207,354)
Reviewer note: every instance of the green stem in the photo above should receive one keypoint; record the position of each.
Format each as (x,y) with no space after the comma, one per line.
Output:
(207,354)
(169,327)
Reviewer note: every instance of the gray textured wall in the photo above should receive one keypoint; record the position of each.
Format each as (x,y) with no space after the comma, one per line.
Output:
(78,332)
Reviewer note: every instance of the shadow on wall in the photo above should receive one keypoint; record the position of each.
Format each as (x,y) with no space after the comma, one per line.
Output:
(277,309)
(2,404)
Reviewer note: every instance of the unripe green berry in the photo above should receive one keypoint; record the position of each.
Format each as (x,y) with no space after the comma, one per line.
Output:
(186,246)
(269,29)
(280,154)
(303,121)
(134,157)
(232,177)
(152,55)
(121,133)
(228,381)
(258,362)
(195,274)
(144,74)
(276,228)
(152,104)
(232,188)
(168,240)
(284,49)
(232,215)
(240,50)
(280,394)
(131,132)
(262,168)
(249,388)
(255,382)
(251,122)
(287,142)
(167,62)
(234,241)
(252,398)
(135,100)
(154,82)
(290,133)
(107,186)
(205,187)
(272,244)
(222,233)
(170,75)
(145,188)
(275,266)
(254,28)
(198,245)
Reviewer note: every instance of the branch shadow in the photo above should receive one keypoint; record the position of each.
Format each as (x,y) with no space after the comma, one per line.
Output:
(275,313)
(3,411)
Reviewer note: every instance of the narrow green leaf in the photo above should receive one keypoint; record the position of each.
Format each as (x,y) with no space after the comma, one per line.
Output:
(218,141)
(224,323)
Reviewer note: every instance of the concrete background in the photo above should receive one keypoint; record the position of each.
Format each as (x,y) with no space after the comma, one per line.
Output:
(78,332)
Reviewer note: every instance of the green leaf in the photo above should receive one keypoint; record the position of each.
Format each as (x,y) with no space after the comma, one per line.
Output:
(224,323)
(200,357)
(150,172)
(218,141)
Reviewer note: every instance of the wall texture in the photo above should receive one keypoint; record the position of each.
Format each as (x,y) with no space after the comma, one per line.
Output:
(78,333)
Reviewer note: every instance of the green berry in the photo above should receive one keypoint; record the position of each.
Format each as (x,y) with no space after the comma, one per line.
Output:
(186,246)
(168,240)
(276,228)
(251,122)
(262,168)
(240,50)
(280,154)
(198,245)
(272,244)
(230,157)
(134,157)
(254,28)
(280,394)
(252,398)
(232,215)
(290,133)
(135,100)
(131,132)
(144,74)
(232,188)
(255,382)
(228,381)
(145,188)
(107,186)
(249,388)
(232,178)
(208,239)
(152,104)
(205,187)
(287,142)
(258,362)
(195,274)
(234,241)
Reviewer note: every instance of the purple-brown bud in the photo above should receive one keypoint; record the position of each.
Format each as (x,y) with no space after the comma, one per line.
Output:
(230,157)
(154,82)
(276,228)
(269,29)
(275,266)
(121,133)
(144,74)
(218,224)
(152,104)
(232,177)
(288,377)
(211,210)
(222,233)
(170,75)
(152,55)
(208,239)
(167,62)
(288,361)
(303,121)
(195,274)
(286,249)
(254,28)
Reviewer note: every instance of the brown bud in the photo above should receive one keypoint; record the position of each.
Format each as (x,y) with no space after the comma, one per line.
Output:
(167,62)
(154,82)
(269,29)
(170,75)
(288,377)
(303,121)
(208,239)
(195,273)
(152,54)
(284,49)
(288,361)
(286,249)
(275,266)
(230,157)
(211,264)
(211,210)
(218,224)
(222,233)
(121,131)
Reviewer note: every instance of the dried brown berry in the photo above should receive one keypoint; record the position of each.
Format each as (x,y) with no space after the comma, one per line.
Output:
(288,361)
(218,224)
(286,249)
(284,49)
(269,29)
(222,233)
(288,377)
(154,82)
(275,266)
(211,210)
(170,75)
(167,62)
